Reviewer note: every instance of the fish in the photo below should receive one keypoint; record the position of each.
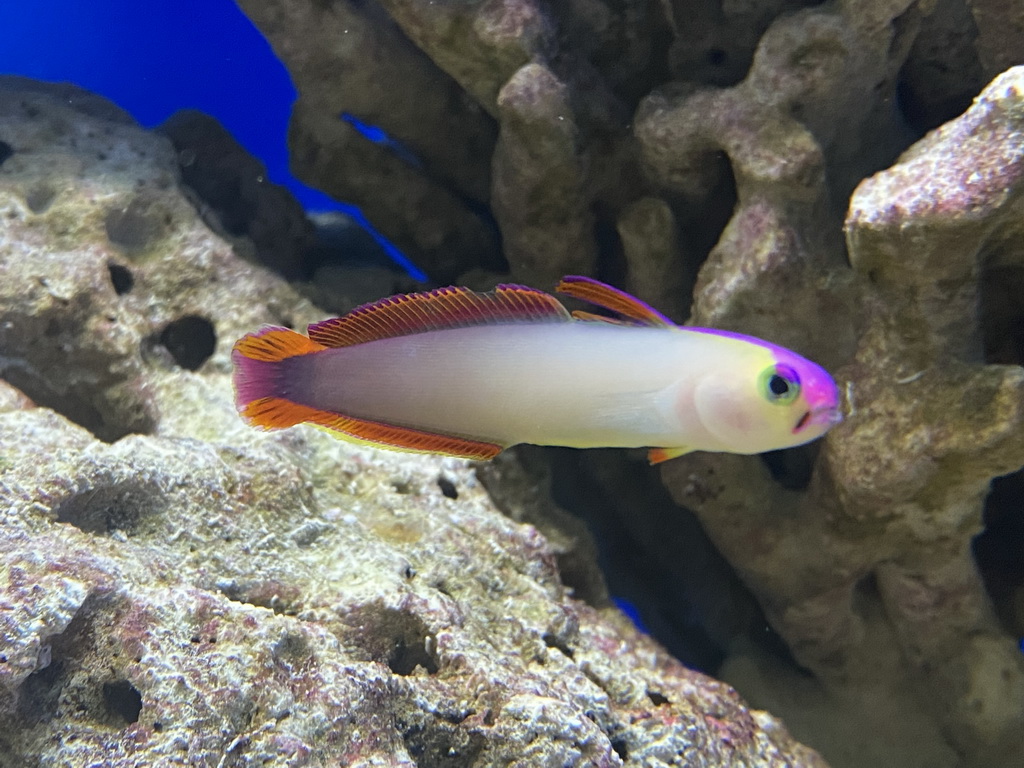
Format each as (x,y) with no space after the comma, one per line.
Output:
(460,373)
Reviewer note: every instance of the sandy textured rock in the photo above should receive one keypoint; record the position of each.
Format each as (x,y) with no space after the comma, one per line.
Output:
(210,595)
(95,228)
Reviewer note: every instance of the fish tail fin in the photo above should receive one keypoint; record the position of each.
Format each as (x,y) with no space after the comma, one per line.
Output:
(260,376)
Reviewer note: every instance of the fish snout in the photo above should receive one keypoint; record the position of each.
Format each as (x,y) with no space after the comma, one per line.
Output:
(825,417)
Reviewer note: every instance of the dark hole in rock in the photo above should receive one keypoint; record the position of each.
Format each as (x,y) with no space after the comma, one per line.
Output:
(39,696)
(1001,308)
(135,226)
(405,657)
(924,112)
(115,507)
(942,73)
(705,224)
(122,701)
(399,639)
(553,641)
(403,487)
(121,278)
(441,745)
(611,256)
(657,699)
(6,150)
(39,199)
(792,468)
(619,745)
(190,340)
(999,550)
(716,57)
(447,487)
(86,404)
(705,605)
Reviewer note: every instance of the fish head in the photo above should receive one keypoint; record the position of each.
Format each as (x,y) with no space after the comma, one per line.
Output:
(765,398)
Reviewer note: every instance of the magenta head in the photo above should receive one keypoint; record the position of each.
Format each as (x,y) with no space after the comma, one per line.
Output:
(766,397)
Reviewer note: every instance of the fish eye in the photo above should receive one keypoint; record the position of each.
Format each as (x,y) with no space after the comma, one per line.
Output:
(780,384)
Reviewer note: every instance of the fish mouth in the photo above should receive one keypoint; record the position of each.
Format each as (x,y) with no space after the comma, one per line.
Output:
(826,416)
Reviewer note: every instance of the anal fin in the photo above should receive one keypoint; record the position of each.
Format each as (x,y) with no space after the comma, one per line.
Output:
(274,413)
(658,455)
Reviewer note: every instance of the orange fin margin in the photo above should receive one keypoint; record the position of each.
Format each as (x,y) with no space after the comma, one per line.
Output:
(276,413)
(658,455)
(437,310)
(595,292)
(272,343)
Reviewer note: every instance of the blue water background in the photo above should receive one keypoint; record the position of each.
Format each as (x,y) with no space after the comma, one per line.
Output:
(155,57)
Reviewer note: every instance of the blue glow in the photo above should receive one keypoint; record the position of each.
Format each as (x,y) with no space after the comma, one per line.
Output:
(378,135)
(390,248)
(372,132)
(631,612)
(156,57)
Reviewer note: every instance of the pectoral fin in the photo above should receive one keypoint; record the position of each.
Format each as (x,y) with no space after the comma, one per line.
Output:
(658,455)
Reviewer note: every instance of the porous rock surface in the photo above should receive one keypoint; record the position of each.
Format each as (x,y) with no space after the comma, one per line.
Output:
(179,589)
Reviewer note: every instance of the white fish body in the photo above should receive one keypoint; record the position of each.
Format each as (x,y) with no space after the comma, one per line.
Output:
(578,384)
(468,374)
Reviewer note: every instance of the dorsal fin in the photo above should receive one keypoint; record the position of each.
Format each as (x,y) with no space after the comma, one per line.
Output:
(591,317)
(620,302)
(437,310)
